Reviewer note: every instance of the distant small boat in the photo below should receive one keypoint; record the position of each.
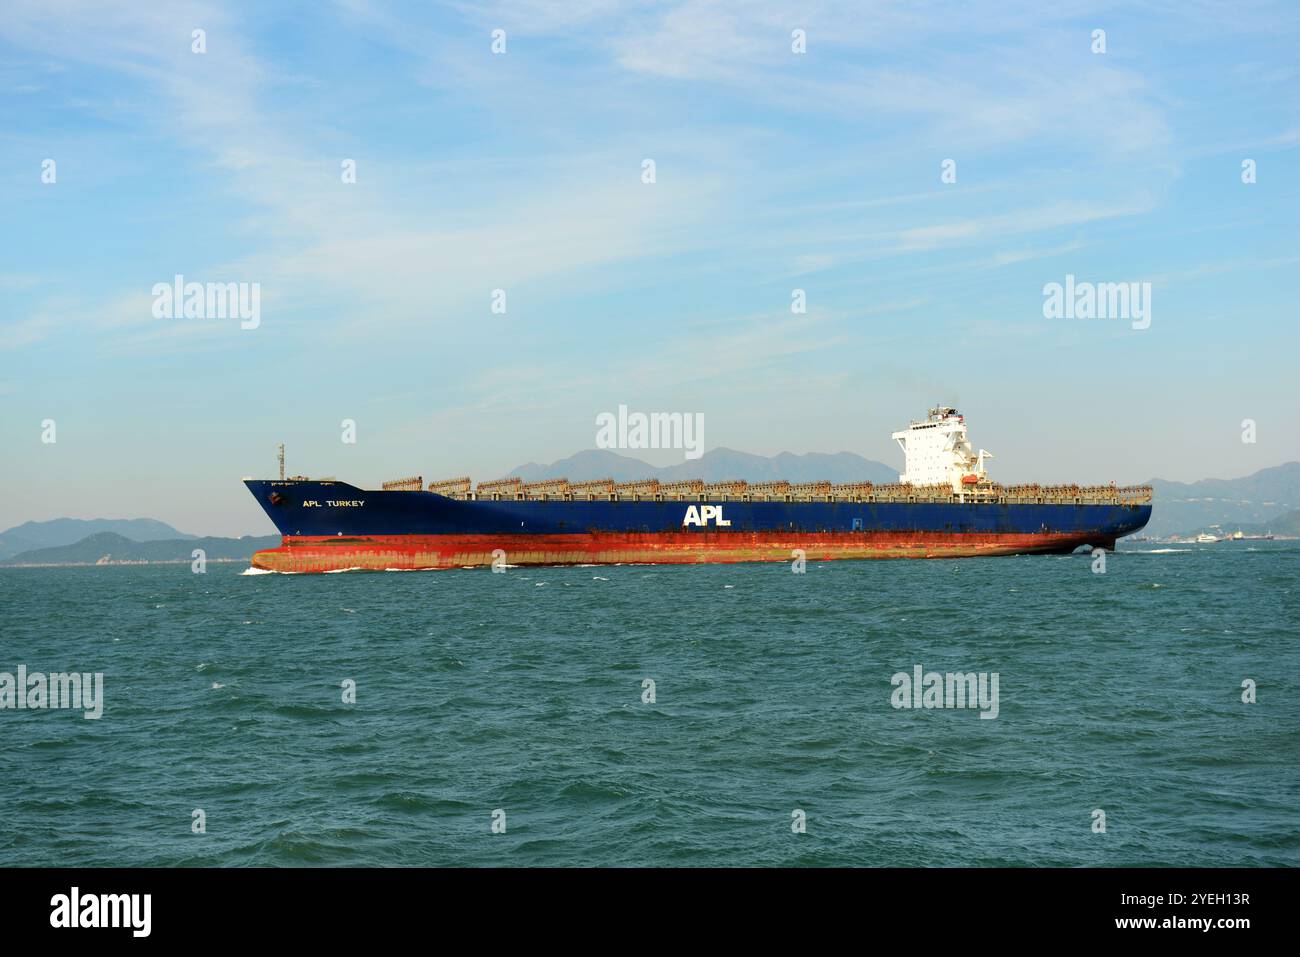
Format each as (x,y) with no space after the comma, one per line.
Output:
(1205,537)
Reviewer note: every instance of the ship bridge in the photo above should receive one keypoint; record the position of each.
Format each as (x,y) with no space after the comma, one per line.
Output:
(936,451)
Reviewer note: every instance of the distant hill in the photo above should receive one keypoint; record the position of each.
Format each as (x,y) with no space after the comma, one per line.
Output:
(716,465)
(117,548)
(1288,524)
(66,531)
(1285,526)
(1256,499)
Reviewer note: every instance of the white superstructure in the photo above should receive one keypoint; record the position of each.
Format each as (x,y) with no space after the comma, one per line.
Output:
(937,452)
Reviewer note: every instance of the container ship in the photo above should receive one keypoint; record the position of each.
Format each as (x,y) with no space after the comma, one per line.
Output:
(943,506)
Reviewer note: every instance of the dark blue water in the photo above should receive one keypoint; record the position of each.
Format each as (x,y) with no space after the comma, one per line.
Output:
(523,692)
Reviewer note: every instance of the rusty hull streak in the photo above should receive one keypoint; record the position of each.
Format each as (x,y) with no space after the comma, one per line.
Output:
(412,552)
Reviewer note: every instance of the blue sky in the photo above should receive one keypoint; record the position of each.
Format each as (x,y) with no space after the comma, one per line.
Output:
(523,171)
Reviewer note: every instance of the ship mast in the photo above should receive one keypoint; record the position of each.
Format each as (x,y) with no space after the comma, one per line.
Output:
(281,461)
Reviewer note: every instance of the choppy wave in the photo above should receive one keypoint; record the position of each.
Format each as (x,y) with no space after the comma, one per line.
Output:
(483,692)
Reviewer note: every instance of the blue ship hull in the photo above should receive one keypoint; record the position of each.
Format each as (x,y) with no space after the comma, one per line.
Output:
(331,525)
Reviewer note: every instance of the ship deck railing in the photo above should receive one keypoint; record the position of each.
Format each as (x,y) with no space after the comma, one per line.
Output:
(983,494)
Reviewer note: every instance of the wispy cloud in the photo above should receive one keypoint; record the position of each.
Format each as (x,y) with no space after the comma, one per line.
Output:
(775,171)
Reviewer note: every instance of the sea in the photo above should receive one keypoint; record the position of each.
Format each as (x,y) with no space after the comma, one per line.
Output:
(1147,713)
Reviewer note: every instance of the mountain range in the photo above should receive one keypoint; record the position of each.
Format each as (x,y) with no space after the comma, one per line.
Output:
(716,465)
(1256,500)
(110,546)
(66,531)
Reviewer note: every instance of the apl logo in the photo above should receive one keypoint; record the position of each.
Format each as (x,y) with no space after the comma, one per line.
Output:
(699,516)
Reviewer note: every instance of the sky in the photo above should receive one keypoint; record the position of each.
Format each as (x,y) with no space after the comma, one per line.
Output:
(921,171)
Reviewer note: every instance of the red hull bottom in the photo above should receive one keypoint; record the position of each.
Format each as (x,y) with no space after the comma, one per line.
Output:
(411,552)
